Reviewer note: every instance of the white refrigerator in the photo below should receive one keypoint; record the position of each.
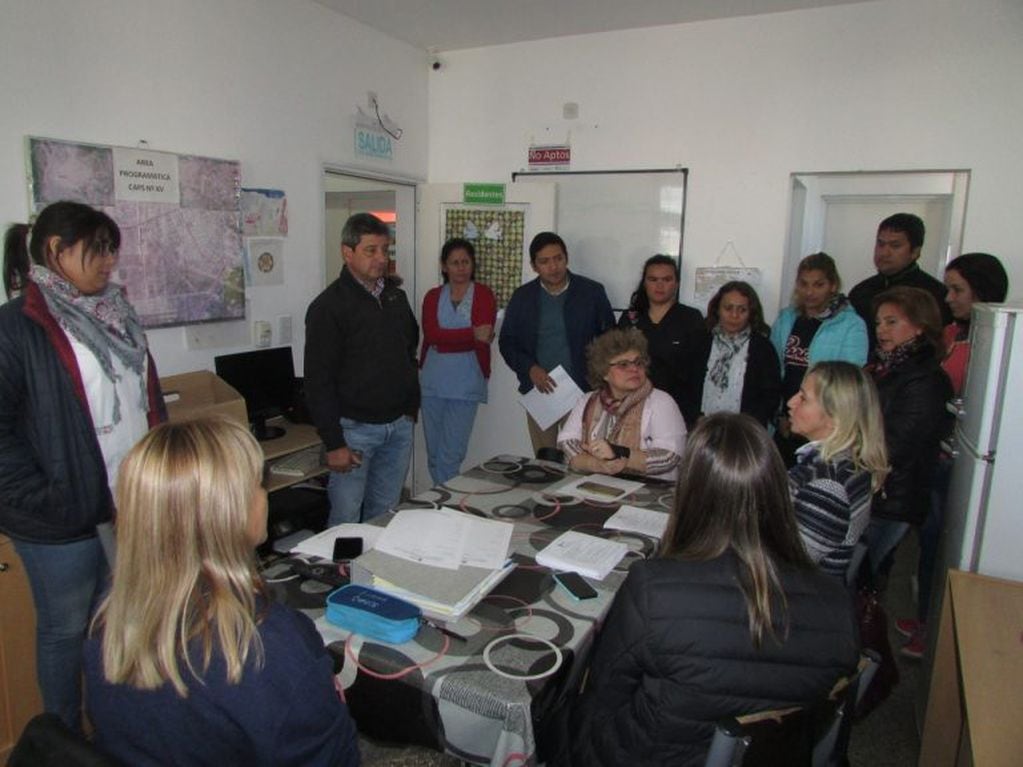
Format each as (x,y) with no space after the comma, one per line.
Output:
(984,513)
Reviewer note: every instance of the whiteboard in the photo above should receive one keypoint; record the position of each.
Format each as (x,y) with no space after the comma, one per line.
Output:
(613,221)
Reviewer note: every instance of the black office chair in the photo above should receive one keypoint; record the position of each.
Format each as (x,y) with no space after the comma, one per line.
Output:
(811,736)
(48,742)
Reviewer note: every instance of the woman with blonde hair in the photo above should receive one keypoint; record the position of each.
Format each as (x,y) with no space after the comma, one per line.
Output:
(188,661)
(731,618)
(843,464)
(624,424)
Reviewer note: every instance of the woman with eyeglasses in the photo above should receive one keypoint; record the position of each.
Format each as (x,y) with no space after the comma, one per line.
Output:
(624,424)
(77,390)
(188,660)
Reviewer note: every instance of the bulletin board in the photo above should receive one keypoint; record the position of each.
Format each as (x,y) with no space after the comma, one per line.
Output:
(613,221)
(181,256)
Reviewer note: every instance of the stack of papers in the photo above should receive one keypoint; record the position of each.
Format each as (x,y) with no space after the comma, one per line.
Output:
(584,554)
(633,519)
(442,560)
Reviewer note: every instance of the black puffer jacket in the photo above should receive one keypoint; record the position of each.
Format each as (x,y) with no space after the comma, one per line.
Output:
(913,396)
(53,480)
(675,656)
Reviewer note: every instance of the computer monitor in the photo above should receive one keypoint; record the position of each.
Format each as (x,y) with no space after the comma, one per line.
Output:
(266,379)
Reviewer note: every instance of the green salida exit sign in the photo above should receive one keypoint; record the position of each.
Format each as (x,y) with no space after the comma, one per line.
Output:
(483,194)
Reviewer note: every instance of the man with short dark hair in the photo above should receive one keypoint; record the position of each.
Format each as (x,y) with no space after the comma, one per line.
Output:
(896,252)
(548,322)
(361,377)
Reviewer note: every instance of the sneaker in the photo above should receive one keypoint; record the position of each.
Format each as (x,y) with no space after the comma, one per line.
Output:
(915,647)
(908,627)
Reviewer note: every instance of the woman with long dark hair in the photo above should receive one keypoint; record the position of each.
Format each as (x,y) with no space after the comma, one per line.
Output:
(77,390)
(739,366)
(674,332)
(731,618)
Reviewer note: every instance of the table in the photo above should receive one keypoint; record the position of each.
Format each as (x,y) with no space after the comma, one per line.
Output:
(974,704)
(482,705)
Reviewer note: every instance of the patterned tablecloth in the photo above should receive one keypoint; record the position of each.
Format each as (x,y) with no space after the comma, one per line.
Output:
(527,642)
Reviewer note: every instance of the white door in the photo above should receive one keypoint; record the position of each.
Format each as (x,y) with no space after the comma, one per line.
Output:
(838,213)
(528,209)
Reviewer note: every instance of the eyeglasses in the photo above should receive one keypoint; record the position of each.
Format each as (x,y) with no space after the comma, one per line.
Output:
(638,362)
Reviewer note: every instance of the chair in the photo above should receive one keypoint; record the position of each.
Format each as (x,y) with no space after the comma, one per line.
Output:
(48,742)
(814,736)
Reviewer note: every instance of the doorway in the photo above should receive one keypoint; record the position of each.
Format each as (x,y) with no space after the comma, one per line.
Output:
(838,213)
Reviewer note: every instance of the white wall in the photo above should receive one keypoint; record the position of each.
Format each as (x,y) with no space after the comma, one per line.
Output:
(743,103)
(272,84)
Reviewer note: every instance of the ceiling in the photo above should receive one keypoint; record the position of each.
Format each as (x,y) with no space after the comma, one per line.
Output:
(445,25)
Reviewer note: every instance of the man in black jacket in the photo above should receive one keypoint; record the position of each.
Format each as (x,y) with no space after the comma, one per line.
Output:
(361,378)
(896,254)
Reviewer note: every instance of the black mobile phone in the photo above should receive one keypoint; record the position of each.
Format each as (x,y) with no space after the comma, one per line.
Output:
(347,549)
(576,585)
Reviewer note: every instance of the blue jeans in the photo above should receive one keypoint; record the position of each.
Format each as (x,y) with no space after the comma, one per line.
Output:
(447,426)
(883,535)
(66,580)
(374,487)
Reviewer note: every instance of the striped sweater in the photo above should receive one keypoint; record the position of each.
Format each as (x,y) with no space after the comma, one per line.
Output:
(832,502)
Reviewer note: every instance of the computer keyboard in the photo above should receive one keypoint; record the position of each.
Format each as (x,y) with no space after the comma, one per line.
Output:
(298,464)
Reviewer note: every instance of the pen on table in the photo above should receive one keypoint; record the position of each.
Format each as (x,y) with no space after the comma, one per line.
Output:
(444,631)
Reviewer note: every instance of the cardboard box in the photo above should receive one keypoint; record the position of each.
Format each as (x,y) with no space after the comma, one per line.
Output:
(202,393)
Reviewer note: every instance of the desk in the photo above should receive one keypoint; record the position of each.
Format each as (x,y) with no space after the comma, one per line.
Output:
(297,436)
(974,706)
(446,695)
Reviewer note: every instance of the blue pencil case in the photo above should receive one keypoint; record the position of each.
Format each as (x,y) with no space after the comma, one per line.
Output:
(372,613)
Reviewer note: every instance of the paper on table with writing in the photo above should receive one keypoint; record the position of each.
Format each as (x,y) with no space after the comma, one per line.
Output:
(599,487)
(322,544)
(635,519)
(546,409)
(429,536)
(585,554)
(486,541)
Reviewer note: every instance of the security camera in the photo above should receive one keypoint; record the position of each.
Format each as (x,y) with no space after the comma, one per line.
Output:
(435,65)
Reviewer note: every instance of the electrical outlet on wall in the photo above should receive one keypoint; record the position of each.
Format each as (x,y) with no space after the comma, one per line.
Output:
(262,333)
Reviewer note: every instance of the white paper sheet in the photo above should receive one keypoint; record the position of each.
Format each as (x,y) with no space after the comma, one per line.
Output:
(605,488)
(546,409)
(637,520)
(322,544)
(585,554)
(428,536)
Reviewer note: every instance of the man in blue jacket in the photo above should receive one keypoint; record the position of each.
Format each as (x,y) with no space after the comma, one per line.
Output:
(548,322)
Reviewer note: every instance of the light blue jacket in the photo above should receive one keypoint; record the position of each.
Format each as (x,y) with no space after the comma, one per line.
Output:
(841,337)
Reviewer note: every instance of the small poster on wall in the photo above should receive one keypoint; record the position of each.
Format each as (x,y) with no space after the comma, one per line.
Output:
(264,212)
(710,278)
(264,261)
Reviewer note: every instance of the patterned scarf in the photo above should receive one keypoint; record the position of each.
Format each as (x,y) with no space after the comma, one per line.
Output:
(837,303)
(730,346)
(105,323)
(618,421)
(888,361)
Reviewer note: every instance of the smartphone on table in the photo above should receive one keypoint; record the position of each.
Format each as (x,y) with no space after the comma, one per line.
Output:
(576,585)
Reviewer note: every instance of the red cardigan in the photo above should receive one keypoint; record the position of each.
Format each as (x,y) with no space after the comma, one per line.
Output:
(448,340)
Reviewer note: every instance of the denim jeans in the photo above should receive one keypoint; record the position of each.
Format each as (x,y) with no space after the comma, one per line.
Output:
(66,580)
(447,426)
(883,535)
(374,487)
